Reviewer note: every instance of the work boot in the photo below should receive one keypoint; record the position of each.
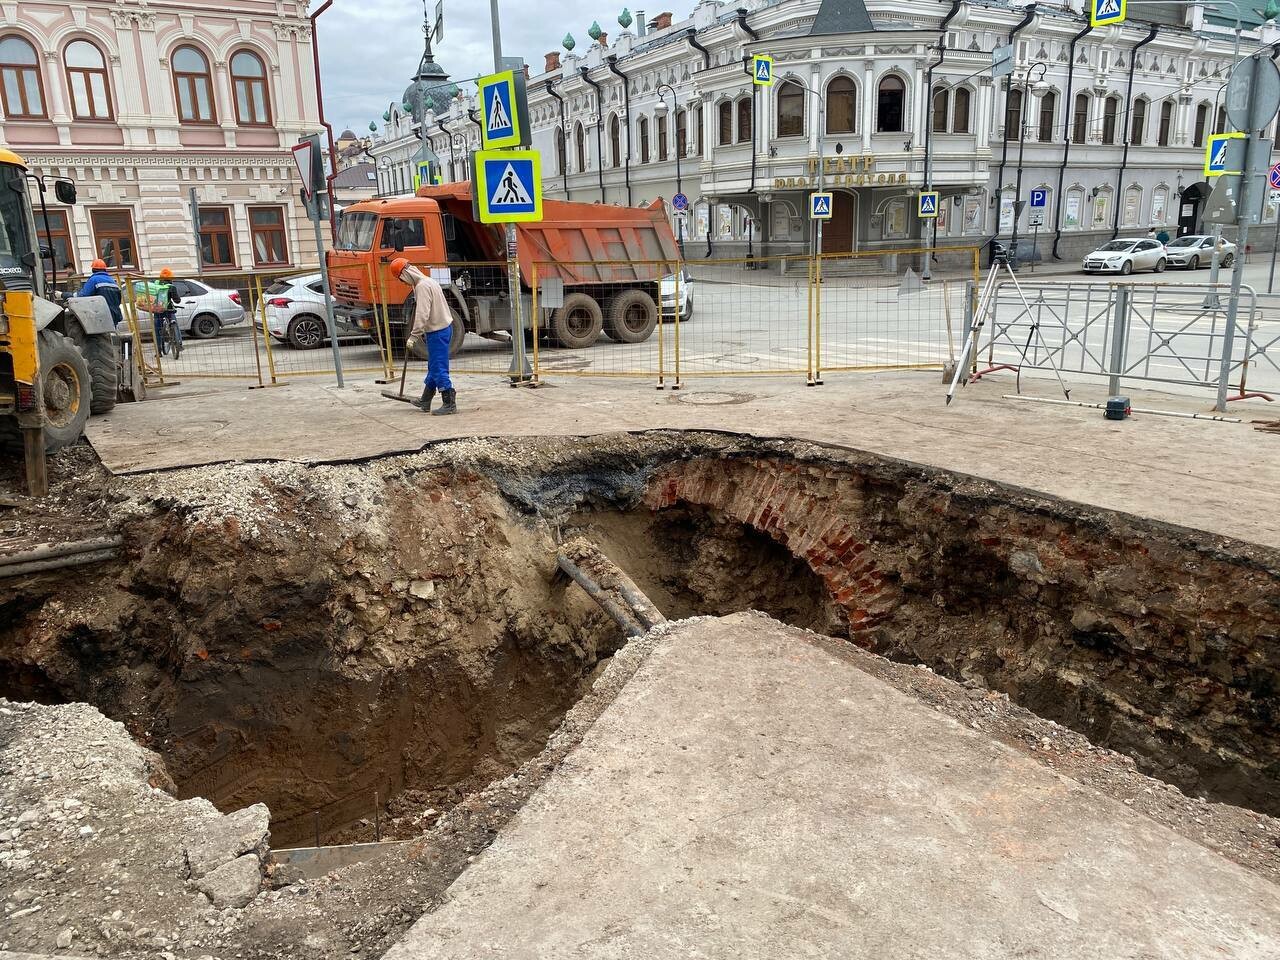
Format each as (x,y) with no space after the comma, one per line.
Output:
(450,404)
(423,403)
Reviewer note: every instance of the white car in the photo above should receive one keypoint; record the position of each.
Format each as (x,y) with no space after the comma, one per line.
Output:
(1126,256)
(669,290)
(295,313)
(201,311)
(1196,250)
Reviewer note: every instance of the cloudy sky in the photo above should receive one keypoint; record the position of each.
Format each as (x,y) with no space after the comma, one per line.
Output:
(369,49)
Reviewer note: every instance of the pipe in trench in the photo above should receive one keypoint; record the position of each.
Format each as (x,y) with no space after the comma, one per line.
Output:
(619,616)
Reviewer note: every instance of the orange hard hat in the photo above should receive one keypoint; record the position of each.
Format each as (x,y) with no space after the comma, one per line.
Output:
(99,265)
(166,273)
(398,265)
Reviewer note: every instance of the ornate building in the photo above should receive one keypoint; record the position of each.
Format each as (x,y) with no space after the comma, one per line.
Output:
(141,101)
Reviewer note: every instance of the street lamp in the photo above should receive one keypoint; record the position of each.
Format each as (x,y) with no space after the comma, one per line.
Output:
(1040,87)
(662,112)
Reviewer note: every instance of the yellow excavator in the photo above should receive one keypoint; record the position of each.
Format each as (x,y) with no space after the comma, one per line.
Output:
(59,361)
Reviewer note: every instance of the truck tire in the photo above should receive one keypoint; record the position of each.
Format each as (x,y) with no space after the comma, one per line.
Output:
(65,375)
(578,323)
(459,332)
(102,354)
(632,317)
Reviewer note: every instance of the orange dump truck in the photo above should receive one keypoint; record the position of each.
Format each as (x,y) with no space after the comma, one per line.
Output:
(610,260)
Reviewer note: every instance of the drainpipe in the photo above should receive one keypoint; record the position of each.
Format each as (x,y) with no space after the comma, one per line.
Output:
(564,174)
(453,157)
(1128,122)
(333,150)
(586,75)
(746,68)
(626,109)
(928,120)
(1067,115)
(1004,152)
(692,37)
(741,16)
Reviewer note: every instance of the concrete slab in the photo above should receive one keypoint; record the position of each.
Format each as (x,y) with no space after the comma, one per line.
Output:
(1219,477)
(750,793)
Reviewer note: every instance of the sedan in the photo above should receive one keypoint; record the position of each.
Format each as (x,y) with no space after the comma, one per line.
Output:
(669,290)
(201,310)
(295,313)
(1196,249)
(1126,256)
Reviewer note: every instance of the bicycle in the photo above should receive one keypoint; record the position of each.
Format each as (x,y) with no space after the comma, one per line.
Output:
(170,336)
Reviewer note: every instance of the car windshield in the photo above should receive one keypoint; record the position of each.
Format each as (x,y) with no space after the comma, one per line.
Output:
(1117,246)
(355,231)
(1184,242)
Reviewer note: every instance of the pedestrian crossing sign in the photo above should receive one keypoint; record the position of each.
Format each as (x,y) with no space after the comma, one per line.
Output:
(507,185)
(1221,156)
(504,121)
(928,205)
(819,206)
(1106,12)
(762,70)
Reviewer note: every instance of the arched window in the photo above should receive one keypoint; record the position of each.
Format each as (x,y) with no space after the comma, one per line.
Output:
(580,147)
(87,81)
(1160,205)
(1048,111)
(194,86)
(615,140)
(1202,118)
(1220,124)
(1012,114)
(249,81)
(644,139)
(1166,123)
(21,86)
(560,151)
(1110,113)
(744,120)
(790,109)
(1138,122)
(1073,210)
(842,106)
(1132,206)
(891,97)
(682,133)
(1080,119)
(725,133)
(941,103)
(961,98)
(661,124)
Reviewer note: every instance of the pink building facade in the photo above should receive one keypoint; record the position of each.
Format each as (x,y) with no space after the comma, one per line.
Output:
(141,101)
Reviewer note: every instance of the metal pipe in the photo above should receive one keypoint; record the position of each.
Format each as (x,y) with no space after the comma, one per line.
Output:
(1004,153)
(61,550)
(586,75)
(1066,140)
(1022,142)
(564,173)
(453,157)
(928,121)
(746,68)
(56,563)
(692,37)
(333,150)
(1128,122)
(675,119)
(615,612)
(612,61)
(1102,406)
(741,16)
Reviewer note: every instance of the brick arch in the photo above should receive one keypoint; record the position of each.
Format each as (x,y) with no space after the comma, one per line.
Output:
(808,509)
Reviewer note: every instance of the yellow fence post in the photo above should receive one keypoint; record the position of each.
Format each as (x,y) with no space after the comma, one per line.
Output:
(266,334)
(253,330)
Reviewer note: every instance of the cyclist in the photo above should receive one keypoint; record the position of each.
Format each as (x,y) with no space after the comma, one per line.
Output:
(166,313)
(101,285)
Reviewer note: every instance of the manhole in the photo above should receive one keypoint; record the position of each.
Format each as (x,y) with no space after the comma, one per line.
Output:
(712,398)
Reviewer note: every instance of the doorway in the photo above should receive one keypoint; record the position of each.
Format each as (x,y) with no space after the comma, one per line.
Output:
(1189,206)
(839,232)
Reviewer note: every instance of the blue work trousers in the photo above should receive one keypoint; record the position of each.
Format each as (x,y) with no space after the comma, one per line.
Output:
(438,359)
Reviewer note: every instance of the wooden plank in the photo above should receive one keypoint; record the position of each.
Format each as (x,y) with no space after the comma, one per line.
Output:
(37,473)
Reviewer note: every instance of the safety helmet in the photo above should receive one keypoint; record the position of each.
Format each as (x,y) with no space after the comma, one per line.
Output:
(166,273)
(398,265)
(99,265)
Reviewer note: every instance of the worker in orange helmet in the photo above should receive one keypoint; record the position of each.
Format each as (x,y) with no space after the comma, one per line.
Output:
(166,309)
(101,284)
(433,322)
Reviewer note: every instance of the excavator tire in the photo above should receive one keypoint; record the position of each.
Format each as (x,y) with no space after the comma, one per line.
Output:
(66,379)
(103,357)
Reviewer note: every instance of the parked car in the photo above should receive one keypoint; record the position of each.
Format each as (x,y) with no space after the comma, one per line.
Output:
(295,313)
(1196,249)
(669,289)
(202,310)
(1126,256)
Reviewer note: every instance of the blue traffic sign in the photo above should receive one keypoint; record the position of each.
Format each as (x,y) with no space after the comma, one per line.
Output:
(928,205)
(680,202)
(1104,12)
(762,70)
(819,206)
(508,185)
(1039,197)
(1218,153)
(1274,177)
(504,121)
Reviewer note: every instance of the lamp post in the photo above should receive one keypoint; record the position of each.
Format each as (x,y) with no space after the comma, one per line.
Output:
(662,112)
(1040,86)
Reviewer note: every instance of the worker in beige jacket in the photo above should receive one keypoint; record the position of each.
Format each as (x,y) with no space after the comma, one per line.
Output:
(433,322)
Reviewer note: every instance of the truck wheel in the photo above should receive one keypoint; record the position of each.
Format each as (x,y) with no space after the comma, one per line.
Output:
(459,332)
(632,317)
(66,379)
(578,323)
(102,354)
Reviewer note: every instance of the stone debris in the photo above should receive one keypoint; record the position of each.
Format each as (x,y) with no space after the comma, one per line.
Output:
(226,838)
(233,884)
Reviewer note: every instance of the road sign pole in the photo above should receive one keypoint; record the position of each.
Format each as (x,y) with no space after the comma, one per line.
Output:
(1275,242)
(328,293)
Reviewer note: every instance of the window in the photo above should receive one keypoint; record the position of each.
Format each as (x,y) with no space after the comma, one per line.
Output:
(682,133)
(941,102)
(725,134)
(406,232)
(1110,112)
(194,86)
(580,147)
(113,238)
(266,230)
(960,100)
(1080,119)
(661,124)
(790,109)
(644,139)
(744,120)
(1133,213)
(700,145)
(615,140)
(87,81)
(1220,124)
(21,86)
(1048,110)
(890,99)
(1012,114)
(55,233)
(217,242)
(1166,123)
(1202,118)
(1138,122)
(842,106)
(560,151)
(249,81)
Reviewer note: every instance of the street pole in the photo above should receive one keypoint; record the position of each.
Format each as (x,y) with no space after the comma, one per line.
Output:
(675,105)
(1022,140)
(328,294)
(1275,243)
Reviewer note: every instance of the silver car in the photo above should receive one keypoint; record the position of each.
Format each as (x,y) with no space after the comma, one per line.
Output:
(204,310)
(1196,250)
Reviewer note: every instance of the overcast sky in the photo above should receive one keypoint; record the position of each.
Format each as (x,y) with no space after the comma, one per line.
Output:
(369,49)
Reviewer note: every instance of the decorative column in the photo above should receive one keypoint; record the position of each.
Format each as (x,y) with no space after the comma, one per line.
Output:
(868,104)
(814,106)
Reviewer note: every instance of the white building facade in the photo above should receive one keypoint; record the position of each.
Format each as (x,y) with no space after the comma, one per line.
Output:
(139,103)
